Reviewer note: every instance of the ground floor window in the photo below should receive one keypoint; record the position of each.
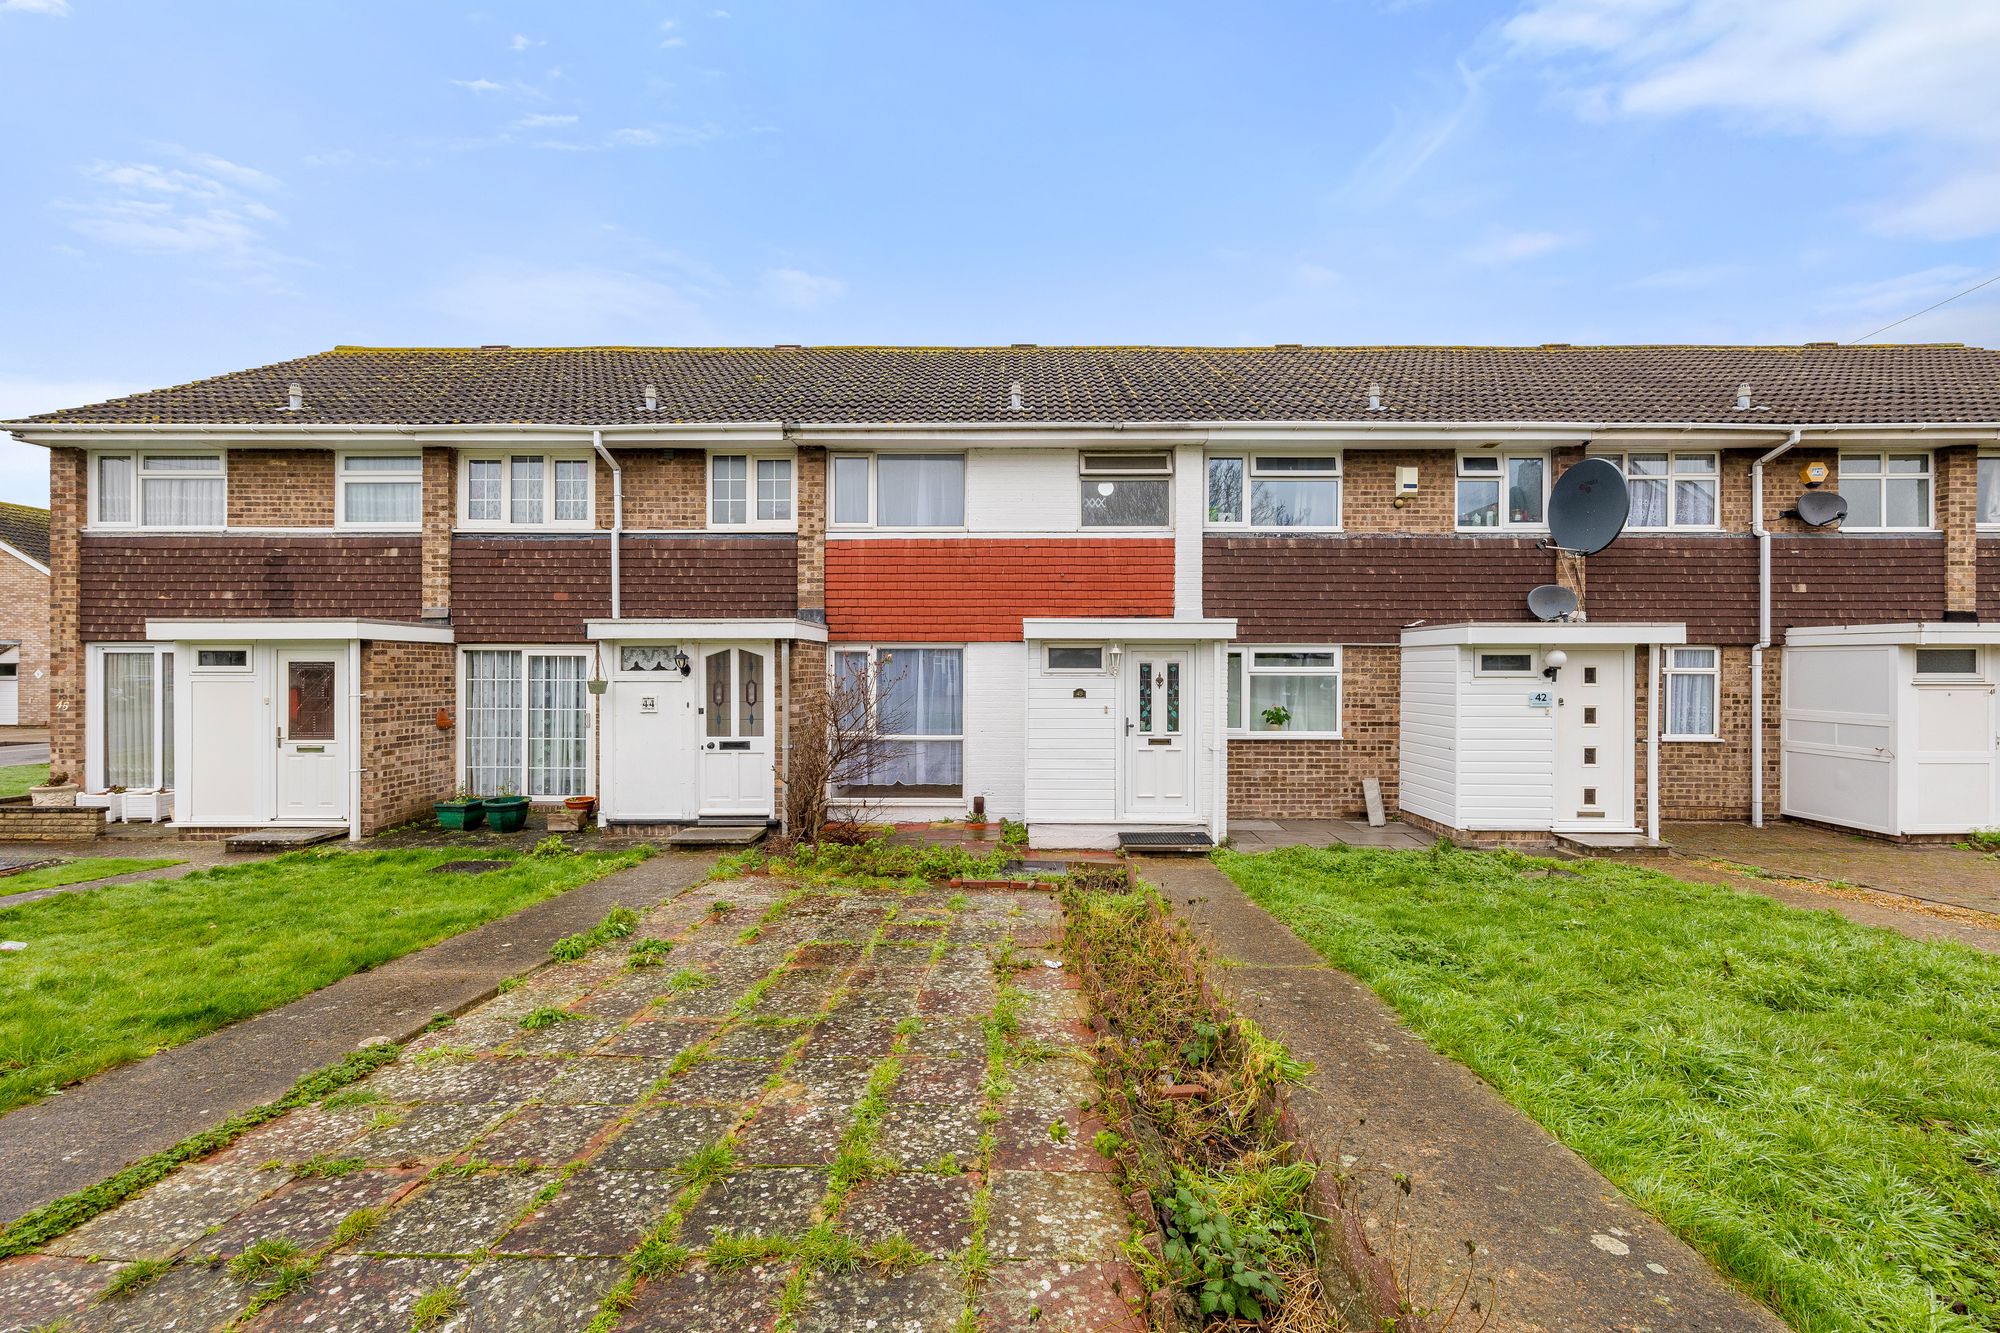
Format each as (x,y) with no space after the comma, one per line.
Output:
(1691,693)
(912,700)
(1285,691)
(527,722)
(136,717)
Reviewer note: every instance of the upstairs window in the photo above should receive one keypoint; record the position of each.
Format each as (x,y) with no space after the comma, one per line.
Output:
(746,491)
(1989,491)
(1126,490)
(527,491)
(159,491)
(898,490)
(1886,491)
(381,490)
(1502,490)
(1672,490)
(1275,491)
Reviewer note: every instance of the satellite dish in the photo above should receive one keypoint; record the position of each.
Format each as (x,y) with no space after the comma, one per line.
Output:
(1587,507)
(1551,601)
(1819,508)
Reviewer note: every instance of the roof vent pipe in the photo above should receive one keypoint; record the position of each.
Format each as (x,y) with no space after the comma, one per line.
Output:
(1014,403)
(296,401)
(652,398)
(1374,397)
(1743,397)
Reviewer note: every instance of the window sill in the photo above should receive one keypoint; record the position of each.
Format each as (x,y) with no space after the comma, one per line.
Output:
(1692,740)
(502,529)
(1251,530)
(1284,735)
(1888,532)
(1520,530)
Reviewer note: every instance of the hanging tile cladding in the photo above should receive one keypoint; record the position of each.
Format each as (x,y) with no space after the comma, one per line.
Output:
(977,589)
(1989,578)
(125,580)
(1707,582)
(537,589)
(1850,579)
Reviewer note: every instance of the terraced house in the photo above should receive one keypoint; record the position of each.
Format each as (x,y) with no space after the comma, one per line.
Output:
(1108,590)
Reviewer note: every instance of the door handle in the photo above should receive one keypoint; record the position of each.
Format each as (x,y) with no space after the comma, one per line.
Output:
(1128,726)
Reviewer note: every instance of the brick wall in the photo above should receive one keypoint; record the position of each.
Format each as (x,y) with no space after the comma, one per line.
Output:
(1308,779)
(811,510)
(24,617)
(1703,779)
(127,579)
(24,823)
(409,760)
(66,505)
(978,589)
(1368,497)
(1957,474)
(280,488)
(440,514)
(666,490)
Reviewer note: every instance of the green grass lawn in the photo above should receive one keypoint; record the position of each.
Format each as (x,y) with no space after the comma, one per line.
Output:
(82,871)
(1812,1103)
(119,972)
(15,779)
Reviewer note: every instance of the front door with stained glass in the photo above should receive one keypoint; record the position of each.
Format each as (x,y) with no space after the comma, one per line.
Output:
(1159,770)
(736,774)
(312,770)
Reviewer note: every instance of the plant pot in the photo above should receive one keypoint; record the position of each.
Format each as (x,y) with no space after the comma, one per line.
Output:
(150,806)
(53,798)
(460,815)
(506,814)
(583,803)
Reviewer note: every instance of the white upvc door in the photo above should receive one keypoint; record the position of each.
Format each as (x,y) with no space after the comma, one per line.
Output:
(1160,714)
(1954,777)
(1594,717)
(312,746)
(652,726)
(736,723)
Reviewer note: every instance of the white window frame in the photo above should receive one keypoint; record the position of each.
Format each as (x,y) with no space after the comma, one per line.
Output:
(342,479)
(524,651)
(1673,477)
(1479,667)
(874,482)
(194,665)
(96,696)
(1921,677)
(1980,520)
(1050,669)
(1506,458)
(138,459)
(505,458)
(1880,479)
(875,651)
(1250,459)
(1094,465)
(1669,670)
(1238,722)
(751,461)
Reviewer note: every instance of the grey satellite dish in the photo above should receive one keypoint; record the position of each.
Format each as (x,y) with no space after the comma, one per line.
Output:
(1587,507)
(1551,601)
(1819,508)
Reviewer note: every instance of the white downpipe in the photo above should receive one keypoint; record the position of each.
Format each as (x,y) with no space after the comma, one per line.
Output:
(617,515)
(785,736)
(354,768)
(1655,653)
(1763,533)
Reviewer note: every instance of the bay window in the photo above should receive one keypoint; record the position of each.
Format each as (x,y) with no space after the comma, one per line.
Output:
(745,490)
(159,491)
(381,490)
(526,722)
(912,703)
(526,491)
(1502,490)
(1275,491)
(135,718)
(1285,691)
(1671,490)
(899,490)
(1692,676)
(1126,490)
(1886,491)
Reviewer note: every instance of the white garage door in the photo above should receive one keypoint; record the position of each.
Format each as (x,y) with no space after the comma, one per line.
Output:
(10,687)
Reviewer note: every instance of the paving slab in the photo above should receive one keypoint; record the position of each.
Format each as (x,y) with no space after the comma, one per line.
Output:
(1040,1215)
(532,1295)
(1933,872)
(1561,1247)
(932,1212)
(604,1213)
(770,1201)
(457,1214)
(360,1294)
(925,1300)
(66,1143)
(187,1296)
(170,1216)
(1062,1297)
(743,1300)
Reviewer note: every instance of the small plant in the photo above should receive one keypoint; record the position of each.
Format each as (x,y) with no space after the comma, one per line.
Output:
(552,846)
(434,1307)
(1983,840)
(357,1224)
(1058,1132)
(1226,1269)
(547,1016)
(1276,717)
(648,951)
(896,1254)
(321,1166)
(687,979)
(132,1277)
(721,907)
(618,923)
(948,1165)
(728,1250)
(259,1261)
(1108,1143)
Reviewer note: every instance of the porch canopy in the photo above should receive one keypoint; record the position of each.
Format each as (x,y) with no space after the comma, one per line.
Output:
(776,627)
(1545,633)
(295,630)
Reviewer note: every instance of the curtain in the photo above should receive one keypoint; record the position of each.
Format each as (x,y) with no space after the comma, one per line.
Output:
(1649,503)
(114,489)
(181,502)
(774,489)
(919,692)
(1691,694)
(384,502)
(1694,503)
(1989,490)
(1276,503)
(557,714)
(482,490)
(128,719)
(525,475)
(493,722)
(920,490)
(1312,701)
(572,490)
(166,777)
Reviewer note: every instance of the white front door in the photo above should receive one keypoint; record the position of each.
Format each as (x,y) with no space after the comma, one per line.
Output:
(1594,741)
(1955,742)
(1159,716)
(651,735)
(736,726)
(312,765)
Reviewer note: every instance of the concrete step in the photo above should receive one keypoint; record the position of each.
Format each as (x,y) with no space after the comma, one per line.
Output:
(718,835)
(281,839)
(1609,844)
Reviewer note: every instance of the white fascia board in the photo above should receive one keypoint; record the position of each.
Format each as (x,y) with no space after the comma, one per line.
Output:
(1128,629)
(1537,633)
(260,630)
(1913,633)
(767,628)
(355,436)
(24,558)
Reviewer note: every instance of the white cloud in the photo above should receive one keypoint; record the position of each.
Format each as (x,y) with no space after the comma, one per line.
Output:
(538,121)
(149,207)
(669,38)
(799,289)
(523,42)
(530,305)
(1963,207)
(53,8)
(1511,247)
(1413,140)
(1902,293)
(477,85)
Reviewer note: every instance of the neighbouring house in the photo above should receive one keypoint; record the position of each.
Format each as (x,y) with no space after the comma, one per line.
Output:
(24,616)
(1112,591)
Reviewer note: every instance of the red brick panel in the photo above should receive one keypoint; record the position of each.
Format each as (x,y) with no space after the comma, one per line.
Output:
(974,590)
(1842,579)
(1365,588)
(507,589)
(1707,582)
(126,580)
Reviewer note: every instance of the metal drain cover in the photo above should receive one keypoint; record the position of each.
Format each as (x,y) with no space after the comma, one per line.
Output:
(469,867)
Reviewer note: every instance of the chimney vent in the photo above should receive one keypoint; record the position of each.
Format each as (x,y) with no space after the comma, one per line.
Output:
(1743,397)
(652,398)
(296,399)
(1014,403)
(1374,397)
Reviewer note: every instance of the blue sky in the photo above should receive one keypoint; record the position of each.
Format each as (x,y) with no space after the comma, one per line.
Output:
(199,187)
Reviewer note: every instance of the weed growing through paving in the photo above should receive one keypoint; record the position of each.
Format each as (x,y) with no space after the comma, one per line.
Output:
(357,1225)
(133,1276)
(687,979)
(1808,1101)
(260,1260)
(545,1016)
(618,923)
(648,952)
(434,1307)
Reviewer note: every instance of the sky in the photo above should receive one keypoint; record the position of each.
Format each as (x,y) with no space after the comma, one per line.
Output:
(201,187)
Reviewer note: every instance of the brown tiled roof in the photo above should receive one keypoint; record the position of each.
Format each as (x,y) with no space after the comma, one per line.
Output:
(26,529)
(1813,384)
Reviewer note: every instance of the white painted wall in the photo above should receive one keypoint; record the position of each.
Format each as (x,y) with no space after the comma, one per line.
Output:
(1506,751)
(996,727)
(1072,752)
(1022,490)
(1839,732)
(1428,784)
(1190,513)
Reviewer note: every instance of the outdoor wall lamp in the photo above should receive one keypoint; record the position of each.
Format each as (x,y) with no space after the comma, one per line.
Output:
(1553,661)
(1112,652)
(681,662)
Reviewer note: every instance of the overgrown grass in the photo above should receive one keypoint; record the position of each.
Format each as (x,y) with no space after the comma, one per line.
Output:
(1814,1104)
(83,871)
(15,779)
(877,862)
(120,972)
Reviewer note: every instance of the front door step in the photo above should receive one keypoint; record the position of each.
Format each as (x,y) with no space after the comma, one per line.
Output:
(1196,844)
(1598,844)
(719,835)
(280,839)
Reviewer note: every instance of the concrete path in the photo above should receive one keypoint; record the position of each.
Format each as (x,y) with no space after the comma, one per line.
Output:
(1932,872)
(1557,1248)
(657,1110)
(1262,835)
(79,1137)
(1865,907)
